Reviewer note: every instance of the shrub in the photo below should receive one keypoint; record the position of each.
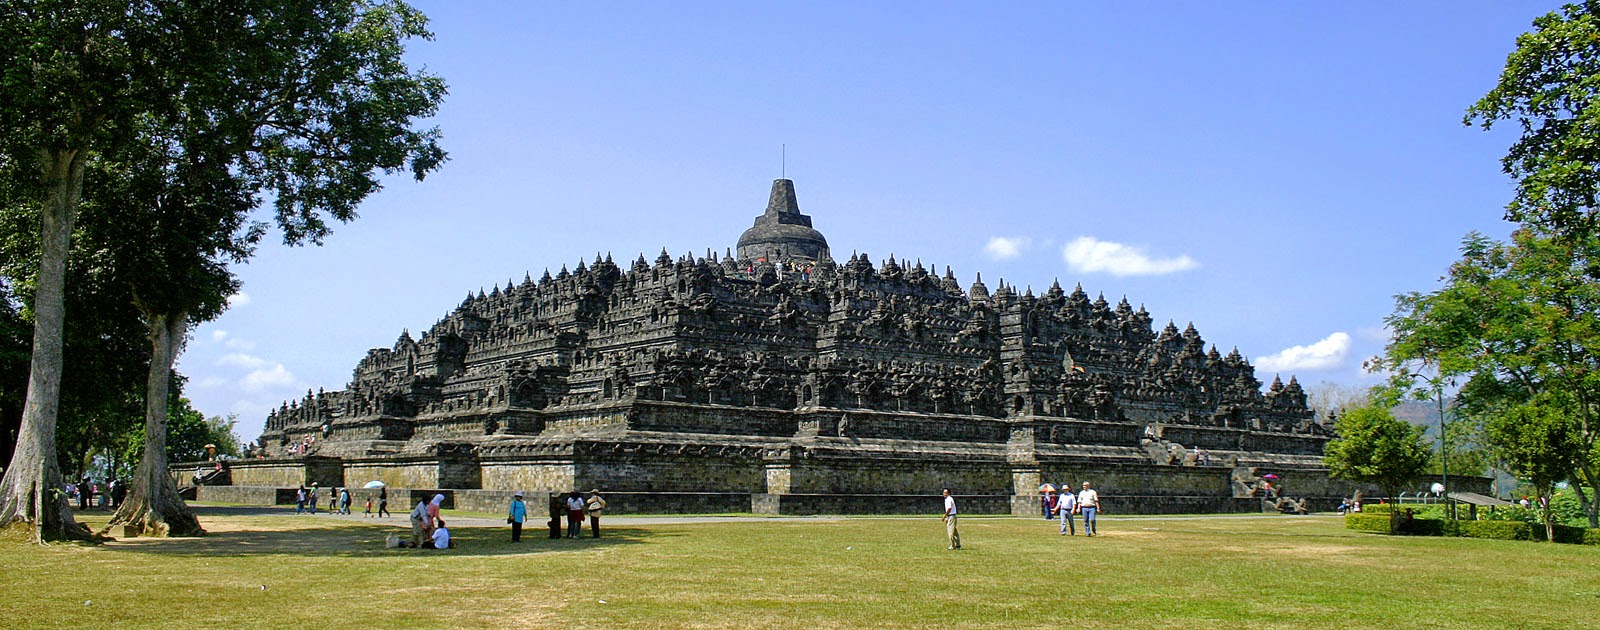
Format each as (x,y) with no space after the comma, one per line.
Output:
(1364,522)
(1496,530)
(1591,536)
(1570,535)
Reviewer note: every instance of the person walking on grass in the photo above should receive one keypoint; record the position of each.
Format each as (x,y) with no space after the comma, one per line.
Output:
(300,500)
(517,514)
(950,521)
(594,506)
(383,502)
(1089,504)
(311,498)
(1067,506)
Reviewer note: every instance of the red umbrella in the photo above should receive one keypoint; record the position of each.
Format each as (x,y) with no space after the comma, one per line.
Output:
(1269,476)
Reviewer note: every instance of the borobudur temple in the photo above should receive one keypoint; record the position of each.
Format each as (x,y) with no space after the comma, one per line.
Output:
(774,379)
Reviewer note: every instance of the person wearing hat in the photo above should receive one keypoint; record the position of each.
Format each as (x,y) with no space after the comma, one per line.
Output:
(595,505)
(519,513)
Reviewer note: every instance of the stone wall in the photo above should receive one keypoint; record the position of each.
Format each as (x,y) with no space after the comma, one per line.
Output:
(528,476)
(808,504)
(325,471)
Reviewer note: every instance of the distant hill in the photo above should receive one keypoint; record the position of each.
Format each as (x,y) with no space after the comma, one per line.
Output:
(1423,413)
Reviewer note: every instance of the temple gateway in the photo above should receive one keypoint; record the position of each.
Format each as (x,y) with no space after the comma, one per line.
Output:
(774,379)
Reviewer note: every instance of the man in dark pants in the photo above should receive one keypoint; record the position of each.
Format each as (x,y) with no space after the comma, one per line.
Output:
(517,513)
(594,506)
(558,508)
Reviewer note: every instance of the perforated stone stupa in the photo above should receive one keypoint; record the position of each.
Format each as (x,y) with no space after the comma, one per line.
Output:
(806,384)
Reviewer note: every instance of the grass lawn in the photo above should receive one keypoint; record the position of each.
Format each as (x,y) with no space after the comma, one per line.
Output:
(259,570)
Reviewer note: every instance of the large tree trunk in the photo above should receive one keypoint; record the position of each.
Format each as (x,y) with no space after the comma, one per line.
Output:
(31,491)
(1591,506)
(153,507)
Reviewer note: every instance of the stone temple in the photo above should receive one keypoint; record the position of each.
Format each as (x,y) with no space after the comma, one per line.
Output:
(776,379)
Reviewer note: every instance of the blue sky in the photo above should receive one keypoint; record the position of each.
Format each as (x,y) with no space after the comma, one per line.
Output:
(1272,172)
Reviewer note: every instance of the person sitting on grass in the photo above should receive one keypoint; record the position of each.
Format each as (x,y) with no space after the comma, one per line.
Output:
(441,538)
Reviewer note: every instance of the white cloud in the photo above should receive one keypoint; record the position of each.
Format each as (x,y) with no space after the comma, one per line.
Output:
(274,378)
(238,299)
(1006,248)
(211,381)
(1088,254)
(219,335)
(241,360)
(1322,355)
(240,344)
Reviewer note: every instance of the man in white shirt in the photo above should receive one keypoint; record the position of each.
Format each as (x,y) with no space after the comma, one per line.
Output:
(950,520)
(441,538)
(1069,502)
(1089,504)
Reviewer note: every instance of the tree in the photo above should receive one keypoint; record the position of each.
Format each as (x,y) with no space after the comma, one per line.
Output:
(1539,441)
(1551,87)
(1521,321)
(1375,447)
(307,101)
(71,73)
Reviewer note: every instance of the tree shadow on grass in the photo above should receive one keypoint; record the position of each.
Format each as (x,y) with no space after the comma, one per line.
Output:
(345,538)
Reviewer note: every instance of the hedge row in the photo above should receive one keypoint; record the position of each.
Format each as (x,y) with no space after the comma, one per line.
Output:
(1493,530)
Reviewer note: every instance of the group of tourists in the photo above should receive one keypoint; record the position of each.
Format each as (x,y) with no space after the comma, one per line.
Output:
(339,500)
(1066,506)
(383,503)
(428,530)
(110,494)
(572,505)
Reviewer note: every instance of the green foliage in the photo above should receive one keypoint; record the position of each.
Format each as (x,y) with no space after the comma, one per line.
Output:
(1362,521)
(1538,440)
(1551,87)
(1496,530)
(1520,321)
(1375,447)
(188,431)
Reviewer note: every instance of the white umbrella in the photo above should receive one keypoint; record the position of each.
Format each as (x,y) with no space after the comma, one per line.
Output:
(373,484)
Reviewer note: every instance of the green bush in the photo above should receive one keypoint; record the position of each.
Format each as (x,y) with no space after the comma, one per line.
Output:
(1364,522)
(1566,509)
(1423,526)
(1591,536)
(1569,534)
(1495,530)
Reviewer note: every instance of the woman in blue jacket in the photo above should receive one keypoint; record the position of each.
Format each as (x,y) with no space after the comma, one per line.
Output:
(519,513)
